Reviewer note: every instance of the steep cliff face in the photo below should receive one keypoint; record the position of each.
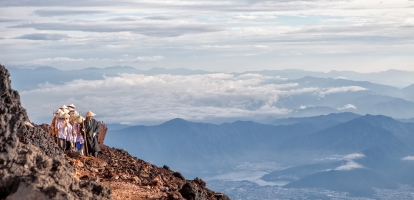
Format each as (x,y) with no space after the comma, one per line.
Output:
(31,166)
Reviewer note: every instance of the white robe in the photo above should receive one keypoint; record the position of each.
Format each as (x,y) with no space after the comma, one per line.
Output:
(64,129)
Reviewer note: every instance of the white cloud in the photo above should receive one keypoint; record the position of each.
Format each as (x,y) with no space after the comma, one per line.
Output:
(349,166)
(131,59)
(410,158)
(135,98)
(348,106)
(350,163)
(353,156)
(47,61)
(341,90)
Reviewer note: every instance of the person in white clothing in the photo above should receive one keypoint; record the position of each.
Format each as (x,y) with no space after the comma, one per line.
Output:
(79,138)
(64,129)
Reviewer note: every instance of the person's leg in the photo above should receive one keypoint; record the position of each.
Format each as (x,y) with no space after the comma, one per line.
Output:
(67,145)
(95,154)
(62,143)
(59,143)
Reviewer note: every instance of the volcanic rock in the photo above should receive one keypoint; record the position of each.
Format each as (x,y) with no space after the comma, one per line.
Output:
(31,165)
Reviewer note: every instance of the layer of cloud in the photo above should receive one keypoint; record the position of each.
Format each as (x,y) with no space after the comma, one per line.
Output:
(65,61)
(341,90)
(350,163)
(47,62)
(43,36)
(349,166)
(51,13)
(132,59)
(410,158)
(133,98)
(348,106)
(153,28)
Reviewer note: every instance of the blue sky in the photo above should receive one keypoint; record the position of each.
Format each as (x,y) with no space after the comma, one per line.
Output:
(226,36)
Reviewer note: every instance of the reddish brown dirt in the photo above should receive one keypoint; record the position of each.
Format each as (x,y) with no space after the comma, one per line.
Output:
(132,178)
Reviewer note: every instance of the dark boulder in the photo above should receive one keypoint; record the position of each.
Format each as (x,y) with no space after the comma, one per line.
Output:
(31,165)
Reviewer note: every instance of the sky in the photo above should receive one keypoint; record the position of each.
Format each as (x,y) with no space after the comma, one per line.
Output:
(220,36)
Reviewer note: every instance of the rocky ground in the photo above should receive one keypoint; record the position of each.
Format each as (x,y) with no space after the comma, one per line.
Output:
(132,178)
(33,167)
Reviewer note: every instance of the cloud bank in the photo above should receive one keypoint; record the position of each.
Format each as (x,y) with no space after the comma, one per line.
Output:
(341,90)
(133,98)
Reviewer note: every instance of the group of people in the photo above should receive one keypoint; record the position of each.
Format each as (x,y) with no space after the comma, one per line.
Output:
(72,132)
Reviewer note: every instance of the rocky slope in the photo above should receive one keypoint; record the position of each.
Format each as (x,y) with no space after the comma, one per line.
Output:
(33,167)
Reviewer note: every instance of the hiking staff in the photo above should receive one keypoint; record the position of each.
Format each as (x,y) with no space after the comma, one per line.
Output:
(53,135)
(86,141)
(84,135)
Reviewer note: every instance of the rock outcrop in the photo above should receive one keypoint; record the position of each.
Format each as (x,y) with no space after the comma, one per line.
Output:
(32,166)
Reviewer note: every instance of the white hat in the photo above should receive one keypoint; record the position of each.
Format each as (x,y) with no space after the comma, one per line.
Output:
(71,106)
(79,119)
(64,107)
(59,112)
(65,115)
(89,114)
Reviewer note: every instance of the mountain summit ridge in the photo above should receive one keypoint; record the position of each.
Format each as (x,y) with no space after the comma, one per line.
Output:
(32,166)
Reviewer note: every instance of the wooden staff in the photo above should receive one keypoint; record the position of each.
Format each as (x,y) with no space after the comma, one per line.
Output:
(53,128)
(85,140)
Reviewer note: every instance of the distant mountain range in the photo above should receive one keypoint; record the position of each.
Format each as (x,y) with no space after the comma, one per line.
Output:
(395,78)
(369,151)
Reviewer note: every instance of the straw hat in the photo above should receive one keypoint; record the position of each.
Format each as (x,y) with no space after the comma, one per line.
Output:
(79,119)
(64,107)
(58,113)
(65,115)
(74,116)
(89,114)
(71,106)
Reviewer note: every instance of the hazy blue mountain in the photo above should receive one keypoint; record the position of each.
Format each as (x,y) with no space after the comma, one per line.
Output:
(115,126)
(410,120)
(358,182)
(403,131)
(209,145)
(298,172)
(352,136)
(321,119)
(309,81)
(179,142)
(395,107)
(194,147)
(396,78)
(408,92)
